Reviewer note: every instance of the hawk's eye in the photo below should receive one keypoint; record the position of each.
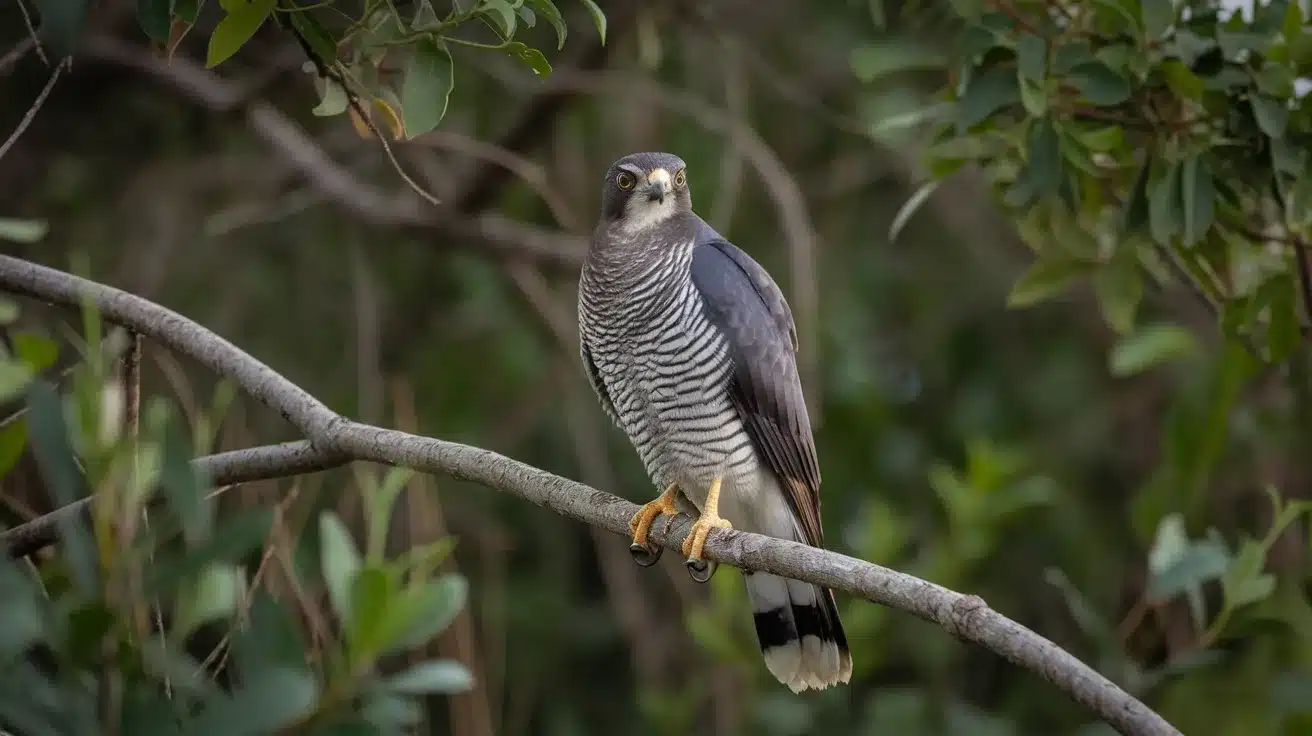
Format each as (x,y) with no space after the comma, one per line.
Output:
(680,179)
(625,181)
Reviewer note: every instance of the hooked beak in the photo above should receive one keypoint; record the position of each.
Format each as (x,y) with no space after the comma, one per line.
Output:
(658,185)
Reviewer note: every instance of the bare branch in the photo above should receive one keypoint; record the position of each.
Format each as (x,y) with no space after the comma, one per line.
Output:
(224,469)
(30,115)
(31,32)
(14,55)
(329,178)
(333,439)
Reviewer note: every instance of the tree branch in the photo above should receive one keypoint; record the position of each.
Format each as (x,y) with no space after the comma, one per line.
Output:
(224,469)
(333,439)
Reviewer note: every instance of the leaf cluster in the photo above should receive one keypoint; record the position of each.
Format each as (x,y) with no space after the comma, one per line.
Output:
(1139,143)
(116,633)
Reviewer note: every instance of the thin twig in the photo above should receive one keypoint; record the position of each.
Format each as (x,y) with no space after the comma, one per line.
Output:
(31,33)
(16,53)
(387,149)
(966,617)
(31,111)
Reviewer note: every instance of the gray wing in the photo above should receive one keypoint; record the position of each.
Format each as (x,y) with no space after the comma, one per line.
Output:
(747,306)
(594,378)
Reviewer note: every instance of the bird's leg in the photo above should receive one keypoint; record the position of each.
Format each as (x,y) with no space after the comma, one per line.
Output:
(640,525)
(698,569)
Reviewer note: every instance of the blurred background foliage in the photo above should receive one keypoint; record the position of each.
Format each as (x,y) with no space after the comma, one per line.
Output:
(1117,467)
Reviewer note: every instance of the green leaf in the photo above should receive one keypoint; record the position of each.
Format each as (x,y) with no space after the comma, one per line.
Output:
(548,10)
(1181,80)
(1034,98)
(1042,281)
(598,18)
(1150,346)
(909,207)
(372,600)
(1031,57)
(1244,582)
(1100,84)
(1198,195)
(1136,202)
(1200,562)
(236,28)
(987,93)
(426,610)
(22,620)
(427,87)
(61,25)
(502,15)
(1045,162)
(23,231)
(333,99)
(1275,80)
(392,712)
(442,676)
(379,501)
(315,36)
(187,10)
(8,311)
(1158,15)
(184,485)
(37,351)
(1119,287)
(1283,334)
(1165,206)
(270,637)
(15,377)
(1101,140)
(1272,115)
(530,56)
(13,438)
(340,561)
(212,595)
(53,449)
(154,18)
(875,59)
(237,537)
(270,701)
(425,16)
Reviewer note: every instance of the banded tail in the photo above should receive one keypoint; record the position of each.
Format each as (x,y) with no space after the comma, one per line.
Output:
(797,626)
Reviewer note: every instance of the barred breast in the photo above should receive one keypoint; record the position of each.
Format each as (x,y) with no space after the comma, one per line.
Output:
(666,369)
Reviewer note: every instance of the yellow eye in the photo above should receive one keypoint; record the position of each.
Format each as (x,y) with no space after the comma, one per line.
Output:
(680,179)
(625,180)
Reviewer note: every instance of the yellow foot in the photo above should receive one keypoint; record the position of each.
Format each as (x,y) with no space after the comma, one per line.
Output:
(643,552)
(698,569)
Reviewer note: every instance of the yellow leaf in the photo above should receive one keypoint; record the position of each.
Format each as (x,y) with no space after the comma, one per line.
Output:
(361,127)
(388,120)
(391,118)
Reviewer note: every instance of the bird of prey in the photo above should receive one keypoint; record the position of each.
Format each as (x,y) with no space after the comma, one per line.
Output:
(691,349)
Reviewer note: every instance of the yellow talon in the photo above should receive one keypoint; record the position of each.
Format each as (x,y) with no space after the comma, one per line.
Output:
(640,525)
(696,540)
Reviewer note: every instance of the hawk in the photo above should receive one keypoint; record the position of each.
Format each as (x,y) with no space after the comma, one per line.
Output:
(691,350)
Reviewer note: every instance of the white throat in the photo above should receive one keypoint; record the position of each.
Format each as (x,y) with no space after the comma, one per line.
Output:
(641,213)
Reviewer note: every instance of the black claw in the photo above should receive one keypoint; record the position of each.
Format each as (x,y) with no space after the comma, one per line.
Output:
(699,570)
(645,556)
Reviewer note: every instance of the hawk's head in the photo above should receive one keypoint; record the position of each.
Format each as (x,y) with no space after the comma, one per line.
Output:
(644,189)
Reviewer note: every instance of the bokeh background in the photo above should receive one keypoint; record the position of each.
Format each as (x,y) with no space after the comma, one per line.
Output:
(986,449)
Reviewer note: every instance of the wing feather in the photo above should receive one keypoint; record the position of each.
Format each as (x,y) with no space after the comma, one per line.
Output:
(745,303)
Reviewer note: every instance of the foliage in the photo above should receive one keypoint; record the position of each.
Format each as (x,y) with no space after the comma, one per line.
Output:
(1143,145)
(348,45)
(168,622)
(1144,140)
(1114,433)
